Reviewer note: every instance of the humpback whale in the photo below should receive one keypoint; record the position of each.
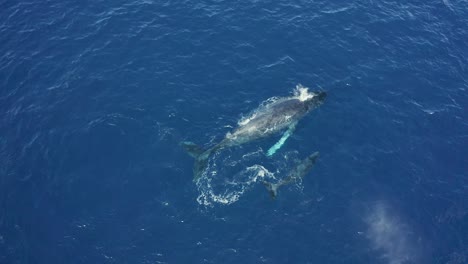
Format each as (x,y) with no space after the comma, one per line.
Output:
(274,116)
(296,173)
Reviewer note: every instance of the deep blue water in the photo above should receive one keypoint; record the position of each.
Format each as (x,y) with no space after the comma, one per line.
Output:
(95,97)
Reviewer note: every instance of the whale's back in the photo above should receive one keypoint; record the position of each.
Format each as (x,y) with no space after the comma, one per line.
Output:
(269,119)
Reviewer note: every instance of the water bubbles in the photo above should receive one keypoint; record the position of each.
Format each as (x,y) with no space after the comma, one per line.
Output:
(226,184)
(302,93)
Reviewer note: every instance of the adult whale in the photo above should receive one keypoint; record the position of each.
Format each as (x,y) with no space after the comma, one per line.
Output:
(268,119)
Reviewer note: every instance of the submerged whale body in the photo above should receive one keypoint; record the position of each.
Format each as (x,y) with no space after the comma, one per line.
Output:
(268,119)
(297,173)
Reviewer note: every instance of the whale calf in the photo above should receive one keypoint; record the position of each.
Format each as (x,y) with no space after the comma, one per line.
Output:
(296,173)
(268,119)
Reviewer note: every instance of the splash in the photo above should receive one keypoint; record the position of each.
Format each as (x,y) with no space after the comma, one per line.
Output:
(302,93)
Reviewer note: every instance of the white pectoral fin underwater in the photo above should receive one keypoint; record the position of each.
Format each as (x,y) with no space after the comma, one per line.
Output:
(282,140)
(297,173)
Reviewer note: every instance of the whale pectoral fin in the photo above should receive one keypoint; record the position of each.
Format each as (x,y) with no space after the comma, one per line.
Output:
(282,140)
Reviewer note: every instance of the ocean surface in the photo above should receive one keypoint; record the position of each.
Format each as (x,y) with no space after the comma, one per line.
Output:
(96,97)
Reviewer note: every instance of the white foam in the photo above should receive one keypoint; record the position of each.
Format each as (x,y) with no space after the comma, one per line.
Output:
(302,93)
(230,191)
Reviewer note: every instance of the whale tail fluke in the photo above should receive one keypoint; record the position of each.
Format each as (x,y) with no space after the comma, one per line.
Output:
(201,157)
(272,189)
(192,149)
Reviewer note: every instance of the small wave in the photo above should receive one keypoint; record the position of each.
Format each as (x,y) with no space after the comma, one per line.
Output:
(281,61)
(338,10)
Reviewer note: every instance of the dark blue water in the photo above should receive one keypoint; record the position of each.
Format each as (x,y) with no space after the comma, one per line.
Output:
(95,97)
